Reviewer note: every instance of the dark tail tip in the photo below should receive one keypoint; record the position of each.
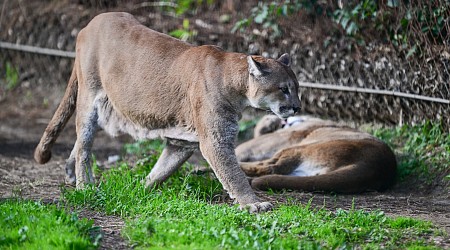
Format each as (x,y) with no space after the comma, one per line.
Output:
(42,157)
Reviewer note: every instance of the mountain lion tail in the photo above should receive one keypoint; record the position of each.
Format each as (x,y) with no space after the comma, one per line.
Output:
(66,108)
(346,180)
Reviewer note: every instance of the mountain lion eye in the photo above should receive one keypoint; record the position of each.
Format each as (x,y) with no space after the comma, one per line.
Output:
(285,90)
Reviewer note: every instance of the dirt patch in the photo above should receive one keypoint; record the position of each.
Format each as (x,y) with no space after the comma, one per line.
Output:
(110,227)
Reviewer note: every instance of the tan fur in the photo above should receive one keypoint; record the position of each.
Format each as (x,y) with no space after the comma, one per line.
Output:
(317,155)
(130,79)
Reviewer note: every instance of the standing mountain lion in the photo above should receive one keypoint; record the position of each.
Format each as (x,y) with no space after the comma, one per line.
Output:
(130,79)
(316,155)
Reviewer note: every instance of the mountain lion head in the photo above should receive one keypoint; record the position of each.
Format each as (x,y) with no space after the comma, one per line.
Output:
(273,85)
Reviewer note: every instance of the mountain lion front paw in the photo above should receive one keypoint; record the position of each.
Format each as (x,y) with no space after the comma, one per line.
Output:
(257,207)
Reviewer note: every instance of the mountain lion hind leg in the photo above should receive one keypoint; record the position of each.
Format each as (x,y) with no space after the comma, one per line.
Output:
(173,156)
(283,162)
(86,126)
(70,178)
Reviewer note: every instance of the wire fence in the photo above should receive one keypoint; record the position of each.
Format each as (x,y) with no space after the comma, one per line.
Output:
(383,82)
(403,79)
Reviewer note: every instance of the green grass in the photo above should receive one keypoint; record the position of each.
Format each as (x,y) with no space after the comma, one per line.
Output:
(32,225)
(423,150)
(11,76)
(183,214)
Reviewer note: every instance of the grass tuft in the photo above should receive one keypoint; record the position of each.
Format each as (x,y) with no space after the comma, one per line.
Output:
(32,225)
(423,150)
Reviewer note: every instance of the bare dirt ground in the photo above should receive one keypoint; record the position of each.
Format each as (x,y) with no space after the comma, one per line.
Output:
(20,176)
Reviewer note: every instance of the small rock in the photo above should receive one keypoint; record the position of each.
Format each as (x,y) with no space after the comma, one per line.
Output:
(225,18)
(113,158)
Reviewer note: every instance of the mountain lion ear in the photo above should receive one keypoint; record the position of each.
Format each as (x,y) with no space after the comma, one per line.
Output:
(285,59)
(254,67)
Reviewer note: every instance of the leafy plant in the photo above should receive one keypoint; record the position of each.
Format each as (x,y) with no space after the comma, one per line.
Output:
(407,25)
(267,15)
(11,76)
(181,7)
(351,19)
(8,80)
(185,33)
(432,19)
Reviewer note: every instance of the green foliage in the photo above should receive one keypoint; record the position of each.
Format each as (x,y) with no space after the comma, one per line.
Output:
(10,79)
(32,225)
(425,149)
(266,15)
(246,125)
(398,22)
(185,33)
(144,147)
(183,213)
(181,7)
(409,26)
(246,128)
(432,19)
(11,76)
(351,19)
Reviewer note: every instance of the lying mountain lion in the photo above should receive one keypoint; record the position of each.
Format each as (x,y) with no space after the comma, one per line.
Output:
(316,155)
(130,79)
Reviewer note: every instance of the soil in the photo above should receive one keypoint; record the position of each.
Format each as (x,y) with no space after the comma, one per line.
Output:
(26,110)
